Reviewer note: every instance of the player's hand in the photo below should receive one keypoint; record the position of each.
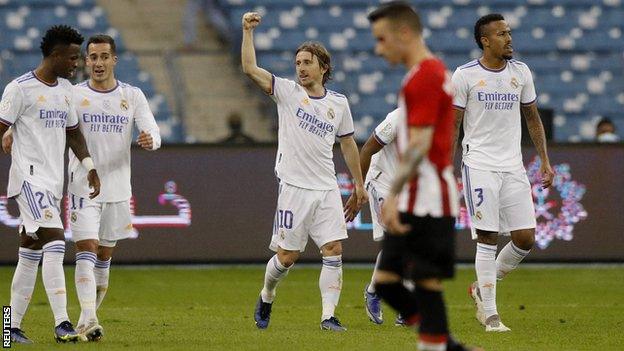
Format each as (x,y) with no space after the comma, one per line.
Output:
(7,141)
(390,216)
(251,20)
(94,182)
(351,208)
(547,175)
(361,195)
(145,140)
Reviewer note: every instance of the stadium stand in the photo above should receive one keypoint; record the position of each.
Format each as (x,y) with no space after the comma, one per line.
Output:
(23,22)
(574,47)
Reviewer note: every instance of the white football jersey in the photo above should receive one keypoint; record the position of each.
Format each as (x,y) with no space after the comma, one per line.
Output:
(383,164)
(308,128)
(40,114)
(491,101)
(106,119)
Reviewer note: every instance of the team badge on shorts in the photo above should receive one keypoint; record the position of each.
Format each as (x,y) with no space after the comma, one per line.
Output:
(48,215)
(124,105)
(478,215)
(74,217)
(330,113)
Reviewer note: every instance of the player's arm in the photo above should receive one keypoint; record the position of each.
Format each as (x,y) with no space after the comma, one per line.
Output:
(420,142)
(258,75)
(350,153)
(459,117)
(77,143)
(149,135)
(371,147)
(7,137)
(536,131)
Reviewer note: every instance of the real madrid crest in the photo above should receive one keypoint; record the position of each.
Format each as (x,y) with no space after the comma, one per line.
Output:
(74,217)
(47,214)
(330,113)
(514,82)
(124,105)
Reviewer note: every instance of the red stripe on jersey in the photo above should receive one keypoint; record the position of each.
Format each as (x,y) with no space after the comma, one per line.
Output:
(446,206)
(413,190)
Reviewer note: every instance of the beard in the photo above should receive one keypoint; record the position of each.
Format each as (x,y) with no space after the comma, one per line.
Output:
(507,57)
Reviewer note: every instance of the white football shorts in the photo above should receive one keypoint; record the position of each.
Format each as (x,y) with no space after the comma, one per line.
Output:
(303,212)
(106,222)
(377,192)
(498,201)
(38,209)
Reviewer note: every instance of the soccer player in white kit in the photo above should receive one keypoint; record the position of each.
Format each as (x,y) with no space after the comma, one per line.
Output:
(491,93)
(309,203)
(378,159)
(38,106)
(106,109)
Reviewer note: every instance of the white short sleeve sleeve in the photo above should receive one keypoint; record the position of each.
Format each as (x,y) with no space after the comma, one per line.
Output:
(72,115)
(385,132)
(460,90)
(346,123)
(528,95)
(12,104)
(144,118)
(281,88)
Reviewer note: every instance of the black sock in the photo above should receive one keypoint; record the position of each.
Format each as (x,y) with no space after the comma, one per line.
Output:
(399,298)
(432,311)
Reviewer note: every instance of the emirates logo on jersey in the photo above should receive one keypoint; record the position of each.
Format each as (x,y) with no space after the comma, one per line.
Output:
(124,105)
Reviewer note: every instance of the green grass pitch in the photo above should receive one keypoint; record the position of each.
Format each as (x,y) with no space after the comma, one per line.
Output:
(169,308)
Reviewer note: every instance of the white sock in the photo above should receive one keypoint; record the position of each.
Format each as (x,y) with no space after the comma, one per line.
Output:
(54,279)
(85,285)
(275,271)
(101,273)
(485,265)
(371,286)
(508,259)
(23,283)
(330,283)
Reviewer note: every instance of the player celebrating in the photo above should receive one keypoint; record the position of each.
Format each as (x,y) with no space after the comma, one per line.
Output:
(309,203)
(491,93)
(419,242)
(38,107)
(378,160)
(107,108)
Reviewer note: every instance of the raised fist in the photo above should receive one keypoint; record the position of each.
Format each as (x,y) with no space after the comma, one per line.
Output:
(251,20)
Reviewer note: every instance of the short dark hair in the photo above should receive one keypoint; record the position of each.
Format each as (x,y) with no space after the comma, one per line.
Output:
(397,11)
(102,39)
(317,49)
(483,21)
(604,120)
(59,35)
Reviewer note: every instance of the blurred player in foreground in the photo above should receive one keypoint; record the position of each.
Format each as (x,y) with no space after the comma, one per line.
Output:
(419,212)
(107,109)
(309,202)
(39,109)
(491,94)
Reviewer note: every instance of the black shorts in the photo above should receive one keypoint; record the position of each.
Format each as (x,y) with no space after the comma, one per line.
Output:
(426,251)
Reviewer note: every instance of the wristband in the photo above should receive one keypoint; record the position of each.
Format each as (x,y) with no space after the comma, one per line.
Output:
(87,162)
